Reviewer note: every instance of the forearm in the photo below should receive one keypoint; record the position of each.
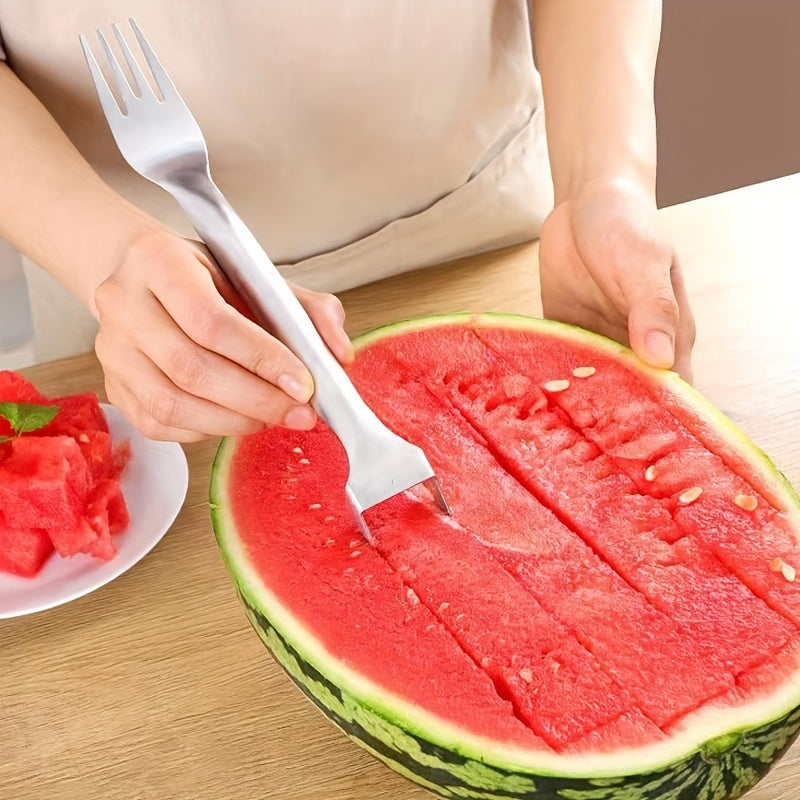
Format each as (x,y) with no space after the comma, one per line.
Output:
(53,206)
(597,61)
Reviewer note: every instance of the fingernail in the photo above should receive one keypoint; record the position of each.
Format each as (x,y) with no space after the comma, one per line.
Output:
(659,346)
(300,418)
(296,388)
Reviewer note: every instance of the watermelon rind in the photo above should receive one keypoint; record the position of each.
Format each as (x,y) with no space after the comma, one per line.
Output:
(717,754)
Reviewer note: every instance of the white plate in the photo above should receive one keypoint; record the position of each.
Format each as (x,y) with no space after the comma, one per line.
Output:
(154,484)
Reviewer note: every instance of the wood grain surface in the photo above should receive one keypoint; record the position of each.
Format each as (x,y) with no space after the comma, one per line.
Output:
(154,688)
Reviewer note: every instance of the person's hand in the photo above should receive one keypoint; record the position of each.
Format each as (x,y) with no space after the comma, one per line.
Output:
(183,361)
(607,265)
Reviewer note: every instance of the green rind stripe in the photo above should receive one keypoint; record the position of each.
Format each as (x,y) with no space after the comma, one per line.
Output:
(720,771)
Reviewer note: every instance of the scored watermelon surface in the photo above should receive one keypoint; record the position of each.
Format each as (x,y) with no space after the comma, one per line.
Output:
(610,612)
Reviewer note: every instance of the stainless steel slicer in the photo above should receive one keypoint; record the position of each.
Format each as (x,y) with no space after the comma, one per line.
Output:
(161,140)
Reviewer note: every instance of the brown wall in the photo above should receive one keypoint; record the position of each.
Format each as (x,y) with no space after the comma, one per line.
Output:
(727,95)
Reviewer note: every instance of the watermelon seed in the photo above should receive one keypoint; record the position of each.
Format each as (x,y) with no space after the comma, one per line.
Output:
(776,565)
(526,675)
(329,519)
(354,542)
(584,372)
(314,506)
(330,542)
(789,572)
(412,597)
(355,553)
(556,386)
(650,473)
(690,495)
(83,438)
(443,607)
(298,450)
(303,461)
(746,501)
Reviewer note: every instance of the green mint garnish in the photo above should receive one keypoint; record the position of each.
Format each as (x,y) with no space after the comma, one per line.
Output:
(26,417)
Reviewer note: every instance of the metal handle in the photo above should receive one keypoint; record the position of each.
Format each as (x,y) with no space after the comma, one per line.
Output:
(255,277)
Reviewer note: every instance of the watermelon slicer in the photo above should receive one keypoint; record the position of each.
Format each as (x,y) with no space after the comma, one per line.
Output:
(162,141)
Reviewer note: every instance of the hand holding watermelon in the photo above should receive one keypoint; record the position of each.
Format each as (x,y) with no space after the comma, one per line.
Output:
(606,265)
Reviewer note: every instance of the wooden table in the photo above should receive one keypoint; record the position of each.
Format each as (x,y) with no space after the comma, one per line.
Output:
(155,688)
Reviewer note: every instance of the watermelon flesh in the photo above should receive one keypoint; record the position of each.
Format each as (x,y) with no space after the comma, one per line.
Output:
(326,552)
(23,551)
(580,601)
(59,484)
(557,567)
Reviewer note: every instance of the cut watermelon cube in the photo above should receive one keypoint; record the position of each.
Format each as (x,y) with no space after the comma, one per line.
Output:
(15,389)
(106,515)
(97,450)
(43,482)
(23,551)
(46,484)
(77,414)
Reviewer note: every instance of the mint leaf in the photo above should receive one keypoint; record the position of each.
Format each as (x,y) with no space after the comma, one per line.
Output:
(26,417)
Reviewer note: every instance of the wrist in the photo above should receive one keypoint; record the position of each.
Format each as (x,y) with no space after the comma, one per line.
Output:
(129,233)
(96,234)
(604,187)
(630,165)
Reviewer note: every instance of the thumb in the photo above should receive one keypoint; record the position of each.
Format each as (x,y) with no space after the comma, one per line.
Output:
(653,315)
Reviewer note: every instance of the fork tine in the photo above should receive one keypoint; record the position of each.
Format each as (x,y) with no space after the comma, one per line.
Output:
(140,84)
(163,81)
(107,100)
(124,88)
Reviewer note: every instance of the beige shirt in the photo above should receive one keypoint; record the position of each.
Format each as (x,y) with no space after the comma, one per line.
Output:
(357,139)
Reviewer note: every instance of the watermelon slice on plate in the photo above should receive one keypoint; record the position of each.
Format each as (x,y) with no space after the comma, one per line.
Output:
(154,485)
(611,612)
(60,469)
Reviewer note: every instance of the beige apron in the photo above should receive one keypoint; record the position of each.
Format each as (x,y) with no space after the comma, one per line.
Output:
(357,139)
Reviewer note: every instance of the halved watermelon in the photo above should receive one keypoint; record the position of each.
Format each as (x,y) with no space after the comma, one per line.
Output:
(611,612)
